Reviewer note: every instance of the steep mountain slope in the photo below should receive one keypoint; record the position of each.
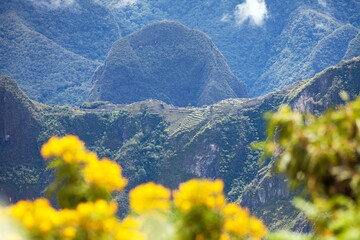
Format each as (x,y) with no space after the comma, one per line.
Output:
(311,42)
(268,194)
(169,62)
(21,168)
(46,71)
(268,51)
(296,39)
(166,144)
(83,26)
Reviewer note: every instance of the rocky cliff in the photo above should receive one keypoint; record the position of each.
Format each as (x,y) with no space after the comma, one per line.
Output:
(21,168)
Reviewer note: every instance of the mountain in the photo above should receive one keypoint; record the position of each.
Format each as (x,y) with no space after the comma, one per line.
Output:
(21,171)
(169,62)
(295,39)
(154,141)
(83,27)
(52,48)
(309,43)
(266,56)
(46,71)
(267,195)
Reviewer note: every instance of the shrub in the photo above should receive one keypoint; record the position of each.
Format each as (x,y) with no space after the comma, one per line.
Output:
(321,155)
(83,185)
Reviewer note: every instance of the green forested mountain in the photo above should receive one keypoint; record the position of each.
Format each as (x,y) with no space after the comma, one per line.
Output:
(53,50)
(169,62)
(83,27)
(266,56)
(310,42)
(157,142)
(45,70)
(294,39)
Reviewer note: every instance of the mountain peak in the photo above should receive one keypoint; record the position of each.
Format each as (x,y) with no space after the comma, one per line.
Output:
(169,62)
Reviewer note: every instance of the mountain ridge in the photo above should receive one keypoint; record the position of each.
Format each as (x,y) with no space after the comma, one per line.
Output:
(258,55)
(37,63)
(154,141)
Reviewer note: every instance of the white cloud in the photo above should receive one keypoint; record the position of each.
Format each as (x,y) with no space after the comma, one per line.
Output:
(254,11)
(323,3)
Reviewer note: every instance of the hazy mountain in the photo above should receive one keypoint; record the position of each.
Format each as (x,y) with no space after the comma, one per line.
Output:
(310,42)
(169,62)
(263,55)
(159,142)
(46,71)
(291,40)
(84,27)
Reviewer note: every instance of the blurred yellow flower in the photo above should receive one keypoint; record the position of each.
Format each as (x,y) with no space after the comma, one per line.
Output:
(98,219)
(148,197)
(200,192)
(105,174)
(201,201)
(37,216)
(70,148)
(257,229)
(68,233)
(236,220)
(240,224)
(101,209)
(128,229)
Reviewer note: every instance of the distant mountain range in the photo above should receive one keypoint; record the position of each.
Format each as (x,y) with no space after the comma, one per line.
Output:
(294,41)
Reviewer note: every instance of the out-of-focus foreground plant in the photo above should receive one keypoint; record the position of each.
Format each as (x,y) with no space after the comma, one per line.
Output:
(322,156)
(83,185)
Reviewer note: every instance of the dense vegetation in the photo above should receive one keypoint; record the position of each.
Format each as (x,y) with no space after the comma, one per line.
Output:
(279,52)
(321,155)
(169,62)
(157,142)
(296,41)
(83,186)
(45,70)
(84,28)
(318,153)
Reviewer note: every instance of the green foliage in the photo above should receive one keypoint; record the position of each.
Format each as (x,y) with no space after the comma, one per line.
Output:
(335,218)
(69,189)
(20,175)
(85,28)
(52,52)
(200,221)
(321,154)
(167,144)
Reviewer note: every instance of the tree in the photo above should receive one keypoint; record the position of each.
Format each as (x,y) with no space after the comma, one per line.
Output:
(321,155)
